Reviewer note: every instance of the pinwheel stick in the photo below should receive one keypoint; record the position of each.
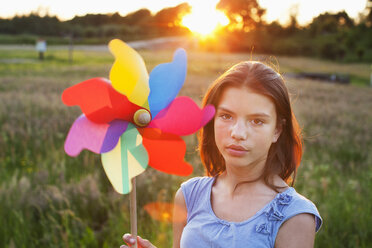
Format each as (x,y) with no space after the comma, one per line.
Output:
(133,211)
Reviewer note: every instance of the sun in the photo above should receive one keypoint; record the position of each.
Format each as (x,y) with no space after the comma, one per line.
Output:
(204,20)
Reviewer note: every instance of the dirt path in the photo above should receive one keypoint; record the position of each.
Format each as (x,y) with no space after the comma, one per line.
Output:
(157,43)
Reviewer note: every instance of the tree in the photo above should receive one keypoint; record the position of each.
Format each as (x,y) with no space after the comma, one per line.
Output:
(246,12)
(115,18)
(169,17)
(139,17)
(293,24)
(369,15)
(167,21)
(330,23)
(34,24)
(90,20)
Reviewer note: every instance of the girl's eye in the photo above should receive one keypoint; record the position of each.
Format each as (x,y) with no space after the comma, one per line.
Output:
(225,116)
(257,122)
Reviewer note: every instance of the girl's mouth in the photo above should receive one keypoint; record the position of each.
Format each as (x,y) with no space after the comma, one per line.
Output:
(236,150)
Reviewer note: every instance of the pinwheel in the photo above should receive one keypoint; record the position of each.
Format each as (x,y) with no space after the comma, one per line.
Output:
(135,120)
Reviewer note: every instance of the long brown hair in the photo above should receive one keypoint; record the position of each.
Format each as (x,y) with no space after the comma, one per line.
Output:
(284,156)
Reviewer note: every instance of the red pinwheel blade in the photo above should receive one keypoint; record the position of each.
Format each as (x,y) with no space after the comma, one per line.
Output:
(99,101)
(166,151)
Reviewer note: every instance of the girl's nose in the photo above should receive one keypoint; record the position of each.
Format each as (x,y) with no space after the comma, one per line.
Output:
(239,131)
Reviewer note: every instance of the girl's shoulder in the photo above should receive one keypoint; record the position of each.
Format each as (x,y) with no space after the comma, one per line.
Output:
(196,191)
(290,203)
(300,203)
(283,207)
(197,181)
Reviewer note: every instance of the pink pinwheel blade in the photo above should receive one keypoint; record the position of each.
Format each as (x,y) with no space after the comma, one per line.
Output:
(96,137)
(182,117)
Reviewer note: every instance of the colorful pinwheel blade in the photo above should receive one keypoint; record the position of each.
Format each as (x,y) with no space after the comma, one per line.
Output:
(99,101)
(128,73)
(127,160)
(166,151)
(182,117)
(96,137)
(166,80)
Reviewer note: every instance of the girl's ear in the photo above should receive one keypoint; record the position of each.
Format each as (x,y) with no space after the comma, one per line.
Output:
(278,130)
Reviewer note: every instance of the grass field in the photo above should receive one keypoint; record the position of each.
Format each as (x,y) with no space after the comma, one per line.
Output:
(48,199)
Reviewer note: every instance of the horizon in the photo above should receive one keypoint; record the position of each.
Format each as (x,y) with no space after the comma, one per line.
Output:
(275,10)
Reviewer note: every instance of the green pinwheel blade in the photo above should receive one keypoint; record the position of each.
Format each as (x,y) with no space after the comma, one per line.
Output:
(127,160)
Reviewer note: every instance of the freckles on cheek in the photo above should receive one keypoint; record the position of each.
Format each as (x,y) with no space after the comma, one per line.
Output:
(220,130)
(219,135)
(264,139)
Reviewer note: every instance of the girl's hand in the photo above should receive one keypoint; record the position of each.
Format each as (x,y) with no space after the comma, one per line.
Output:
(141,243)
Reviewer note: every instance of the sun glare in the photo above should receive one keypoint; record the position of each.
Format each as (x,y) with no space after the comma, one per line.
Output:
(204,21)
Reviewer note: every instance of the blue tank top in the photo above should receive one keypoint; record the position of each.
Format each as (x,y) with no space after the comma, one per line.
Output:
(205,229)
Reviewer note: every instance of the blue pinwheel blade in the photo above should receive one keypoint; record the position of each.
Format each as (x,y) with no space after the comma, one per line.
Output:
(166,80)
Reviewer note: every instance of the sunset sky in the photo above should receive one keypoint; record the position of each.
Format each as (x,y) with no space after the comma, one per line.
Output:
(276,9)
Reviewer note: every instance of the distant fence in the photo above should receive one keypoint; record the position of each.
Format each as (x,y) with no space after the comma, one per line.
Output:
(336,78)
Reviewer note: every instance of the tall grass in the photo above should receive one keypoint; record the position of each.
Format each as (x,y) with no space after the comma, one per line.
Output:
(48,199)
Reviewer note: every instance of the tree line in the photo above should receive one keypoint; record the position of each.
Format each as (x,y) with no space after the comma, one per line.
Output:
(140,24)
(329,35)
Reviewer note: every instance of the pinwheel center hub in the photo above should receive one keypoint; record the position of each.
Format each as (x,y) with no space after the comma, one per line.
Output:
(142,117)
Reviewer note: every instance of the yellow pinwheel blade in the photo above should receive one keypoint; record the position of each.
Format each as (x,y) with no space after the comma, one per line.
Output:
(128,74)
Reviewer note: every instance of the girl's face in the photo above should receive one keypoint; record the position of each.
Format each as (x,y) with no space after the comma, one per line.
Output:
(245,127)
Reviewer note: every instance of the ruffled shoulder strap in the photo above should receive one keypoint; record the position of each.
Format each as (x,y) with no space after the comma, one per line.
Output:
(284,206)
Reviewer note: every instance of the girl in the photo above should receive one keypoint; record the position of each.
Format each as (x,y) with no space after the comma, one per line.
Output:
(251,151)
